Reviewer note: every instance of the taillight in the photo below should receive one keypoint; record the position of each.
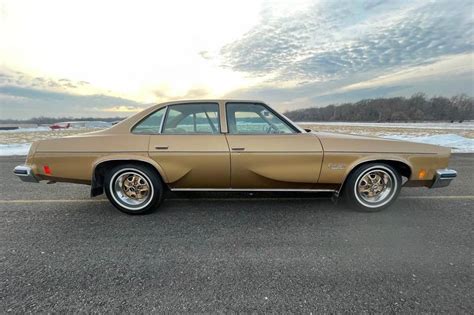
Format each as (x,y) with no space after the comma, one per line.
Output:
(47,170)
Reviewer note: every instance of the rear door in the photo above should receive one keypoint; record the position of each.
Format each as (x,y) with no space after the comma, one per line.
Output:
(267,152)
(191,148)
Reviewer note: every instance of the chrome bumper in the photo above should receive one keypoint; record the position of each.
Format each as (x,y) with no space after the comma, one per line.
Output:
(25,174)
(443,178)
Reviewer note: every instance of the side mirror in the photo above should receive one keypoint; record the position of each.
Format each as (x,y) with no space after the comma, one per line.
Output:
(308,130)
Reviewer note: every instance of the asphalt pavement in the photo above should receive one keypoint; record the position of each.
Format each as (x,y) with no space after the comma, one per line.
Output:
(61,251)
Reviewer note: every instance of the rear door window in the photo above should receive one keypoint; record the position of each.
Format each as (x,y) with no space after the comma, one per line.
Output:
(199,118)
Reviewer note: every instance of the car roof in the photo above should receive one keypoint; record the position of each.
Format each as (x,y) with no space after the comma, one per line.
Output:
(200,101)
(126,124)
(209,101)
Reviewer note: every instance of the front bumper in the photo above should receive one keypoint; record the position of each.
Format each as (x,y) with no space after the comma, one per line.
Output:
(25,174)
(443,177)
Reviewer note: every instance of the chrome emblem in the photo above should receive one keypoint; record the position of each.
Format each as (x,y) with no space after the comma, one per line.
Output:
(337,166)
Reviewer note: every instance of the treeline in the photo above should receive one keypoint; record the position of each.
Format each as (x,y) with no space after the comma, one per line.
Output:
(52,120)
(415,108)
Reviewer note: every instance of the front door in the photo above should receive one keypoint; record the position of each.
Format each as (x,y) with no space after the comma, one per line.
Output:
(269,153)
(190,148)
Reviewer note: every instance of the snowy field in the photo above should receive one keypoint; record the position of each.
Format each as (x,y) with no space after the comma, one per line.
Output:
(458,136)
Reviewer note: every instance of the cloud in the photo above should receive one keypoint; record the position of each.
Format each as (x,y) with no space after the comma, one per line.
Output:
(25,102)
(450,67)
(9,77)
(196,93)
(340,51)
(25,96)
(123,109)
(163,93)
(449,76)
(289,53)
(3,11)
(70,85)
(205,55)
(335,39)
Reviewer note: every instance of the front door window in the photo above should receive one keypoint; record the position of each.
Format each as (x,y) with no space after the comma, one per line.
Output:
(247,118)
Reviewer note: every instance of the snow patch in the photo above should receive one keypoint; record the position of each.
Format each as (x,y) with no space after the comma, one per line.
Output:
(29,129)
(458,143)
(14,149)
(466,125)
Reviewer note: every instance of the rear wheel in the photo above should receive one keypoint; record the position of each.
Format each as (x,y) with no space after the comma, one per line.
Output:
(372,187)
(133,189)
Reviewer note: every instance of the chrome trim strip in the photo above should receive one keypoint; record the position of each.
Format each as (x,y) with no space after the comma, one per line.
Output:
(92,152)
(189,152)
(253,189)
(25,174)
(163,120)
(378,152)
(443,177)
(279,152)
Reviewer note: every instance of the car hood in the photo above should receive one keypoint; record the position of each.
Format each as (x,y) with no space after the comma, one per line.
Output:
(336,142)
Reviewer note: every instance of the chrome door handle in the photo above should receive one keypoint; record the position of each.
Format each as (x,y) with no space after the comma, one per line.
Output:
(162,148)
(238,149)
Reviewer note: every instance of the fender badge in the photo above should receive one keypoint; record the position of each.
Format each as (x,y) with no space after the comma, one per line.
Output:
(337,166)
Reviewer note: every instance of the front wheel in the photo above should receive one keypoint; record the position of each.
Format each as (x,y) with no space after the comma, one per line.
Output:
(133,189)
(372,187)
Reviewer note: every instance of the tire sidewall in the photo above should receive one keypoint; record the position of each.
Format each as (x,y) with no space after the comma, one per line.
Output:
(353,179)
(149,174)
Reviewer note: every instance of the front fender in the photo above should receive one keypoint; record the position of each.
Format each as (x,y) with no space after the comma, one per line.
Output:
(338,165)
(376,158)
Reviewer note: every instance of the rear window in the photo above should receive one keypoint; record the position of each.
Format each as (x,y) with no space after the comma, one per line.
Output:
(151,124)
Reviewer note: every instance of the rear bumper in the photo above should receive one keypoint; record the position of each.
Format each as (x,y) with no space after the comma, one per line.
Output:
(25,174)
(443,177)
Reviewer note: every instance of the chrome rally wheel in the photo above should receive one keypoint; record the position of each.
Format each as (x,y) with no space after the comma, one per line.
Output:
(373,187)
(134,189)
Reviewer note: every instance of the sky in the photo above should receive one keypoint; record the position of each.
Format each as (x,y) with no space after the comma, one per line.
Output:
(112,58)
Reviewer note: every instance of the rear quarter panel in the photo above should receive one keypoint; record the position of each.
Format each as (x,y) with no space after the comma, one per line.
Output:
(73,159)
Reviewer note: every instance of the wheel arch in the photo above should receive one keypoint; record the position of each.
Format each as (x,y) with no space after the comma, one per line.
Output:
(99,167)
(400,165)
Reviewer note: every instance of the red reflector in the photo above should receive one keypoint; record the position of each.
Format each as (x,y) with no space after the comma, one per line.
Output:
(47,170)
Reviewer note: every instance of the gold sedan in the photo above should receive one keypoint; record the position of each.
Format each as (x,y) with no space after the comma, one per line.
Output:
(231,145)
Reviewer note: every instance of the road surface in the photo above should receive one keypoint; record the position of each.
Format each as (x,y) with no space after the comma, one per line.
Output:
(63,252)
